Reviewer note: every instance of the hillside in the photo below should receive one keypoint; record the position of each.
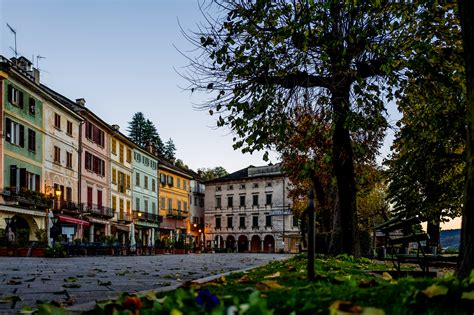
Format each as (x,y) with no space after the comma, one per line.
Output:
(450,238)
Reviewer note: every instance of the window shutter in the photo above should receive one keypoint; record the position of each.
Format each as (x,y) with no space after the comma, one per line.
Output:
(10,93)
(37,183)
(22,136)
(23,183)
(13,176)
(20,93)
(128,181)
(8,130)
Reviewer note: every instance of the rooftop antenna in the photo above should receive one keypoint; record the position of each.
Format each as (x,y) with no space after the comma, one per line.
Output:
(38,58)
(14,34)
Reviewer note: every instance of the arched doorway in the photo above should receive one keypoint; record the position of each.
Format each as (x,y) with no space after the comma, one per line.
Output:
(269,244)
(218,241)
(243,244)
(230,243)
(255,244)
(20,229)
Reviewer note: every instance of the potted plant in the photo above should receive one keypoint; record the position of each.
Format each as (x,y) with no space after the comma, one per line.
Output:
(22,242)
(38,250)
(159,249)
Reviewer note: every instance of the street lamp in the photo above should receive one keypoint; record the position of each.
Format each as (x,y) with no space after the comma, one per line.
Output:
(58,193)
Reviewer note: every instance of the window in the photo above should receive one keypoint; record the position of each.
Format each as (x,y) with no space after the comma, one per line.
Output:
(255,185)
(137,204)
(295,220)
(242,201)
(242,222)
(32,106)
(31,140)
(201,203)
(255,200)
(218,223)
(218,202)
(269,200)
(15,133)
(179,205)
(69,128)
(268,221)
(185,206)
(242,186)
(145,205)
(162,203)
(229,222)
(145,182)
(137,156)
(68,194)
(230,201)
(129,205)
(170,204)
(128,182)
(21,178)
(57,121)
(153,165)
(162,178)
(15,97)
(129,155)
(89,197)
(121,182)
(170,180)
(196,200)
(153,207)
(114,146)
(153,185)
(230,187)
(255,221)
(114,202)
(94,164)
(184,184)
(121,205)
(218,188)
(269,184)
(146,161)
(99,199)
(57,155)
(121,148)
(178,182)
(114,176)
(137,179)
(68,159)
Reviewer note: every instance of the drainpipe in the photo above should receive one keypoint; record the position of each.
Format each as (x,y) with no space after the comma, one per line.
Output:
(79,162)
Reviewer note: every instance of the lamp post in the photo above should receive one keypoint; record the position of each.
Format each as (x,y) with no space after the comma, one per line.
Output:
(54,228)
(58,193)
(10,234)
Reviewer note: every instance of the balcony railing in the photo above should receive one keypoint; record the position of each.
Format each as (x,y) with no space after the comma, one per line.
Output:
(98,210)
(70,206)
(27,198)
(178,214)
(145,216)
(124,216)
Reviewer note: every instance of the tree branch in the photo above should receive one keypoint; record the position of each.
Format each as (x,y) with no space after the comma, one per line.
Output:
(296,79)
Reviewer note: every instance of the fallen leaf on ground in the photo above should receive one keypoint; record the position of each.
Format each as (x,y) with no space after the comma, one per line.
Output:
(71,285)
(268,285)
(387,276)
(243,279)
(435,290)
(273,275)
(468,295)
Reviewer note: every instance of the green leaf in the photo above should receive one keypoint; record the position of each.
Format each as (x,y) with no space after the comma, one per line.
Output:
(48,309)
(435,290)
(468,295)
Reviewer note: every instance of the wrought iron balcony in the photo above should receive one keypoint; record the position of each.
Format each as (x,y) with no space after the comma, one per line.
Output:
(124,216)
(145,216)
(177,214)
(27,198)
(98,210)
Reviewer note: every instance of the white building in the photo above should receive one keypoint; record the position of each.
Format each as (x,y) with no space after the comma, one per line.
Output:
(249,211)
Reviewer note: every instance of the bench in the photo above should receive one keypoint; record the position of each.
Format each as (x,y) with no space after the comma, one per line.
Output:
(397,243)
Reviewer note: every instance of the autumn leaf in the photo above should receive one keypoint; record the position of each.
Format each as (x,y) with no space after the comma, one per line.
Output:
(243,279)
(268,285)
(71,286)
(344,307)
(387,276)
(468,295)
(273,275)
(435,290)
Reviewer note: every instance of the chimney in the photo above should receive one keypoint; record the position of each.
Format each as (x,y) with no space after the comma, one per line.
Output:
(81,102)
(22,63)
(150,147)
(116,127)
(36,75)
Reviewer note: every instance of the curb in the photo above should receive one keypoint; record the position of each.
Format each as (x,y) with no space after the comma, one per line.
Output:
(76,309)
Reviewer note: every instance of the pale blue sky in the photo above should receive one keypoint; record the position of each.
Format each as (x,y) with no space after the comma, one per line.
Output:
(119,56)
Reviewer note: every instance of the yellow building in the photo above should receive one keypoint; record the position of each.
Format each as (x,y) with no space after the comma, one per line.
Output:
(174,194)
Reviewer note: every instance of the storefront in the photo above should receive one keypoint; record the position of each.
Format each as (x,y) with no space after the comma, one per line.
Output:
(72,228)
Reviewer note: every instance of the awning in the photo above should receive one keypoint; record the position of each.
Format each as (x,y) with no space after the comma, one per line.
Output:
(22,211)
(99,221)
(68,219)
(121,227)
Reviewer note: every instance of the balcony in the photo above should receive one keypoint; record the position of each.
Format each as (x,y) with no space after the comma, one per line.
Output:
(27,198)
(98,210)
(70,206)
(150,217)
(124,217)
(177,214)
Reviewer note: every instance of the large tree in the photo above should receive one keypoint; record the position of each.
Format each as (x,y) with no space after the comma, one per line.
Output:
(212,173)
(169,151)
(263,59)
(136,127)
(144,132)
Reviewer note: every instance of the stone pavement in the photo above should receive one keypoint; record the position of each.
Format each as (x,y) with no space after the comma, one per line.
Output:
(84,279)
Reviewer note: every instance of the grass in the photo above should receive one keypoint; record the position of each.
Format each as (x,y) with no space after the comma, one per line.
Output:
(343,285)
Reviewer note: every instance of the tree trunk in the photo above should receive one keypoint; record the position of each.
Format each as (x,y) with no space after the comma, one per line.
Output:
(335,243)
(466,262)
(344,170)
(433,230)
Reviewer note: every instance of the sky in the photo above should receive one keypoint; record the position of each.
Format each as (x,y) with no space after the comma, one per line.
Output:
(122,57)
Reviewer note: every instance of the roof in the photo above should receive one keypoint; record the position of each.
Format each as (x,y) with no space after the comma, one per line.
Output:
(162,162)
(251,172)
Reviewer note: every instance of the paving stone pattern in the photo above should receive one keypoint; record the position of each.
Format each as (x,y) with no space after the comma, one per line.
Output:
(85,279)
